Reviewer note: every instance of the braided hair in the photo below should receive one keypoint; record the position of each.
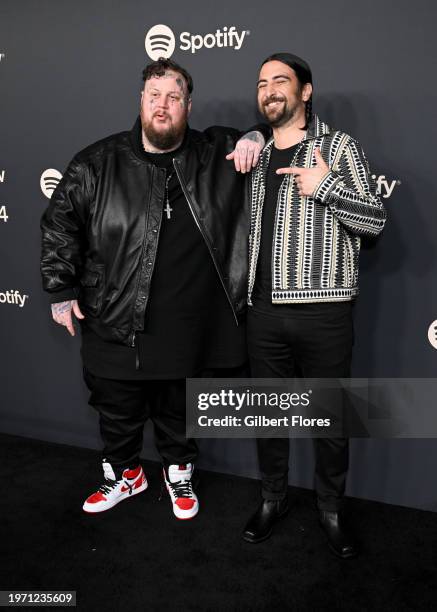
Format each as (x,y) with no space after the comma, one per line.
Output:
(308,111)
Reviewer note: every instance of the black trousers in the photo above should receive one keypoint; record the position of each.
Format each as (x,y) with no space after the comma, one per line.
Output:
(124,407)
(314,341)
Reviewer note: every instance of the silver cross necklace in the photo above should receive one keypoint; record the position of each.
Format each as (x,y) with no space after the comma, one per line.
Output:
(167,208)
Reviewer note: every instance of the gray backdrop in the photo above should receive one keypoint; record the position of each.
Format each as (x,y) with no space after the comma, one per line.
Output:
(70,74)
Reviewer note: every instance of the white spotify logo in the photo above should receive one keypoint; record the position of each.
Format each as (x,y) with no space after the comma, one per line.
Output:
(160,42)
(384,187)
(49,180)
(432,334)
(13,297)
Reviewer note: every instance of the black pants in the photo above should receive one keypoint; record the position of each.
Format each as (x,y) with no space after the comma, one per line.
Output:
(125,405)
(315,341)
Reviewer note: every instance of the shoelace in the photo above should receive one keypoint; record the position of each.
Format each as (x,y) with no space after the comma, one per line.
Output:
(182,488)
(109,485)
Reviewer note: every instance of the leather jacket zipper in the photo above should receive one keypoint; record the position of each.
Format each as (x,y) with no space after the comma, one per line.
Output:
(134,331)
(196,220)
(137,351)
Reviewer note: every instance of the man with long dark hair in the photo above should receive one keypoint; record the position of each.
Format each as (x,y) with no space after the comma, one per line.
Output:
(313,198)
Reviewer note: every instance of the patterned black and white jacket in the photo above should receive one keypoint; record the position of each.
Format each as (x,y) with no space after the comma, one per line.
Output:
(316,241)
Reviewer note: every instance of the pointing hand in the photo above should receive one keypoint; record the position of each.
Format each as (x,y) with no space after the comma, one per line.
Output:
(308,179)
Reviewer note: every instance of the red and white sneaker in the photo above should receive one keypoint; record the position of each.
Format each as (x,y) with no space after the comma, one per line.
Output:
(113,491)
(178,482)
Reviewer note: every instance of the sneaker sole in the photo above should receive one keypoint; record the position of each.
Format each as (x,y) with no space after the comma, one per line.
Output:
(109,505)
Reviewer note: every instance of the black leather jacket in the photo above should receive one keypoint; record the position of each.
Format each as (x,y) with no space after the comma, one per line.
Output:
(101,229)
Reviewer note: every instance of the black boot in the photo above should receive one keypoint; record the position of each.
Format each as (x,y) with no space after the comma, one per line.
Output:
(260,526)
(339,540)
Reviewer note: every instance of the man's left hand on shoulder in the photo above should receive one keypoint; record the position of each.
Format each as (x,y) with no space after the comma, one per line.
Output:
(308,179)
(247,151)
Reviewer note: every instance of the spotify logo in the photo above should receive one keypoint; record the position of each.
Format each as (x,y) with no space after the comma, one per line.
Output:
(49,180)
(160,42)
(432,334)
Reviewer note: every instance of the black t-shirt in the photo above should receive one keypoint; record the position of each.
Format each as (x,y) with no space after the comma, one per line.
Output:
(189,324)
(262,291)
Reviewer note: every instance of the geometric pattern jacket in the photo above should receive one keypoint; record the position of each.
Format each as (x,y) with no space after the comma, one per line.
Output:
(316,241)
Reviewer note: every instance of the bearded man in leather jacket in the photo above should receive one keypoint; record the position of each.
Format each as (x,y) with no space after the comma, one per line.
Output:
(145,242)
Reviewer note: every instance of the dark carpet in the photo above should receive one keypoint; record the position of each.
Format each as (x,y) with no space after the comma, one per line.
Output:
(137,556)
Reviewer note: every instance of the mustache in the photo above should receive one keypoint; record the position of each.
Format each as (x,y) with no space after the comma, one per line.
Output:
(273,98)
(161,113)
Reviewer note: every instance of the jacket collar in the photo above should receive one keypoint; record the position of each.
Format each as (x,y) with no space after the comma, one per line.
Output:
(317,128)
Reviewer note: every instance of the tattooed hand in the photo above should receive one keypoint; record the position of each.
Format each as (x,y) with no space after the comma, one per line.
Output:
(247,151)
(61,313)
